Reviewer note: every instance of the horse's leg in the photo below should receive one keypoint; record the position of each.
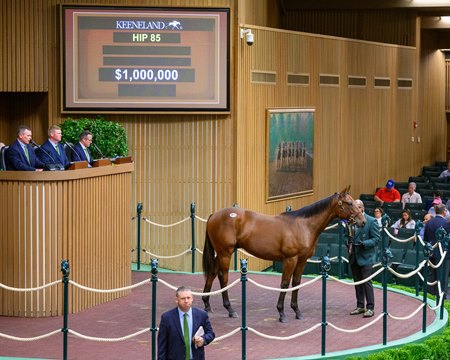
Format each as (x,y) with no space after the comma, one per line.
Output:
(296,280)
(208,284)
(288,268)
(223,279)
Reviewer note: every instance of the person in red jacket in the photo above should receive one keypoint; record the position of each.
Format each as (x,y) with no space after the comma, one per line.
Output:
(387,194)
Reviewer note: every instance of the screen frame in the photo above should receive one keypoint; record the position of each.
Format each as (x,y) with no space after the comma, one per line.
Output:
(224,109)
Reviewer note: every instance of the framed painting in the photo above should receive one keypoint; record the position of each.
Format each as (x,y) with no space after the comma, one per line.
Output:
(290,153)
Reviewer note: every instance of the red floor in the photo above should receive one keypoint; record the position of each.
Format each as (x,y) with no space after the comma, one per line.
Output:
(133,313)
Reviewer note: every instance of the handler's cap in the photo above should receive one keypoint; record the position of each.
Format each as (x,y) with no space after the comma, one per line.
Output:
(390,184)
(437,201)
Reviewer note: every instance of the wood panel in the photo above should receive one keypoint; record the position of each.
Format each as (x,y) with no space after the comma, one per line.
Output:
(81,216)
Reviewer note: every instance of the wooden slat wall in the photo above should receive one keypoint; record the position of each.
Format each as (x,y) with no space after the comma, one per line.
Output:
(83,220)
(363,136)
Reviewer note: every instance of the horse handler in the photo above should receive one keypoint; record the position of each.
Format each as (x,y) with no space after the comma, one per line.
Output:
(362,245)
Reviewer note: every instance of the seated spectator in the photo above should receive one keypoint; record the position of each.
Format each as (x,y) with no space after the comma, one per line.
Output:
(426,218)
(405,222)
(432,209)
(387,194)
(411,196)
(446,173)
(378,214)
(437,194)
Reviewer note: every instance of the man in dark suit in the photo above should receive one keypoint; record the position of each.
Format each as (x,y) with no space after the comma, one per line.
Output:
(82,152)
(20,154)
(430,236)
(184,331)
(51,151)
(362,256)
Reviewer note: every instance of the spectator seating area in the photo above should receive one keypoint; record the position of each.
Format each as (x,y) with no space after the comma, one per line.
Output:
(426,185)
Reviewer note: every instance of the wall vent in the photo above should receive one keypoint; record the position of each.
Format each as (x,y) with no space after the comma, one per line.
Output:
(264,77)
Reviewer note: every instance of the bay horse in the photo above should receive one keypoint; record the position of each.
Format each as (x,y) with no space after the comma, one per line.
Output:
(290,237)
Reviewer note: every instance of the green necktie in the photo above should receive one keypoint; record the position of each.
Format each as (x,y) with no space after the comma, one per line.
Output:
(187,342)
(57,149)
(26,154)
(87,154)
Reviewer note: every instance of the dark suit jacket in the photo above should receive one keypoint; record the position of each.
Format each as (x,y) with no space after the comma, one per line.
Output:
(16,160)
(55,158)
(170,335)
(429,234)
(81,155)
(368,238)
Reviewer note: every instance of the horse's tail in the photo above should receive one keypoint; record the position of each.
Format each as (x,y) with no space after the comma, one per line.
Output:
(208,254)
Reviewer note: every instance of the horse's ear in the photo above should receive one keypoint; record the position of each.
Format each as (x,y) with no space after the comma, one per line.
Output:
(345,191)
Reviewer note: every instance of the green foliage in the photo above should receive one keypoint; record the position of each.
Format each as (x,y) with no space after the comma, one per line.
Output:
(439,349)
(110,137)
(418,351)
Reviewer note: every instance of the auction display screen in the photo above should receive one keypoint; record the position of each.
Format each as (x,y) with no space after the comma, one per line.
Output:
(145,59)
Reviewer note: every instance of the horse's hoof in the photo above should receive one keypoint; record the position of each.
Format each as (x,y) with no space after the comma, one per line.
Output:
(299,316)
(282,319)
(233,314)
(208,309)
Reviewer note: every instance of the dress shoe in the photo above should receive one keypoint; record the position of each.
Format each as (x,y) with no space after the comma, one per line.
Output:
(358,311)
(368,313)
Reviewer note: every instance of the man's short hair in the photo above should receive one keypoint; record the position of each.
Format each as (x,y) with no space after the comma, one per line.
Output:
(440,209)
(84,134)
(52,128)
(413,184)
(22,129)
(182,289)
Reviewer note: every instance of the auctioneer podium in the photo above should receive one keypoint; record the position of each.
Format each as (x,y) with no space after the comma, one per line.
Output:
(83,216)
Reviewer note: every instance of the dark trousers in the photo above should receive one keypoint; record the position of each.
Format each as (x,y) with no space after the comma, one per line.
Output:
(437,274)
(364,292)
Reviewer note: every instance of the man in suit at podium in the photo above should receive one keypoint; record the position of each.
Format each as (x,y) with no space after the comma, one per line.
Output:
(82,152)
(51,151)
(20,154)
(185,330)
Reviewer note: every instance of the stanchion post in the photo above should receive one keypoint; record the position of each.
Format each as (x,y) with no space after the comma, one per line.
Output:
(65,269)
(244,306)
(427,251)
(154,280)
(341,228)
(235,256)
(386,255)
(139,217)
(325,267)
(418,228)
(445,241)
(193,236)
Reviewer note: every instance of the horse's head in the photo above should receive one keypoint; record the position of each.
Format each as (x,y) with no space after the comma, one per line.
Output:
(348,209)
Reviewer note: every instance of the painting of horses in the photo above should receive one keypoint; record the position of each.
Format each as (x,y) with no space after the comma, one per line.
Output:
(290,153)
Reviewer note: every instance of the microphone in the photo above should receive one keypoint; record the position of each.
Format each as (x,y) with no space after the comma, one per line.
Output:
(72,150)
(98,150)
(55,165)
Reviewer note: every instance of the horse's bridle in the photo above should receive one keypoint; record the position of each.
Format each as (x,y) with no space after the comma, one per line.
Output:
(351,219)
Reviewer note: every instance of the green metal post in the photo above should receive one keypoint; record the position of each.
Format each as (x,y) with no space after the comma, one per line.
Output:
(325,267)
(65,269)
(139,217)
(445,241)
(154,264)
(427,251)
(386,254)
(244,305)
(419,226)
(341,243)
(235,205)
(193,235)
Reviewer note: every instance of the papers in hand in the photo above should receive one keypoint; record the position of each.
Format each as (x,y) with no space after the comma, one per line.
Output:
(200,332)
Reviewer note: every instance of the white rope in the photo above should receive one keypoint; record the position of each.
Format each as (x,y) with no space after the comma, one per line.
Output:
(405,276)
(201,252)
(143,282)
(421,240)
(10,337)
(285,337)
(165,226)
(246,253)
(430,264)
(358,282)
(201,219)
(29,289)
(203,294)
(332,226)
(397,239)
(85,337)
(231,333)
(358,329)
(167,256)
(408,316)
(285,290)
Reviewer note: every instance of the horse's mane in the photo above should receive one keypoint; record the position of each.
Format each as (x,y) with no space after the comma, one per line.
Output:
(312,209)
